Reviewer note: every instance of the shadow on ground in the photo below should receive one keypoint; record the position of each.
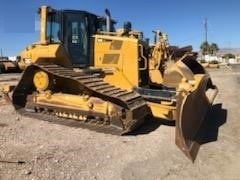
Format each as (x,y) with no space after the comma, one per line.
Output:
(208,132)
(215,118)
(150,125)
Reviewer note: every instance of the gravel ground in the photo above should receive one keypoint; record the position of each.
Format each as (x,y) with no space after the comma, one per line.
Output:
(32,149)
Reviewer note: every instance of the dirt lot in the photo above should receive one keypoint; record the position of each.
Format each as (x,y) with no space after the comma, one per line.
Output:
(32,149)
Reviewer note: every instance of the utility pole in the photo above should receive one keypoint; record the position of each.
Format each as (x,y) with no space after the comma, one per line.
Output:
(1,53)
(206,30)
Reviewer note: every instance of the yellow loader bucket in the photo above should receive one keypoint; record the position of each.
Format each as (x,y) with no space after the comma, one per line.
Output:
(191,110)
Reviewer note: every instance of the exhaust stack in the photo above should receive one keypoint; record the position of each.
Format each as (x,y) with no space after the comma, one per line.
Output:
(43,35)
(108,20)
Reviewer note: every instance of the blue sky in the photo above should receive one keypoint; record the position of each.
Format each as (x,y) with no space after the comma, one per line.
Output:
(182,20)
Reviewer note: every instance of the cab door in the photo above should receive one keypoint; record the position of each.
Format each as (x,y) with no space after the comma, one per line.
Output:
(76,38)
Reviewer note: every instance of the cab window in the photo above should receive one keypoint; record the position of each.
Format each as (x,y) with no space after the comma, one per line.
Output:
(53,28)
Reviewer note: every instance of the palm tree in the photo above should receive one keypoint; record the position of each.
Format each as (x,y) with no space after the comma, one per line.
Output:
(214,48)
(204,47)
(209,48)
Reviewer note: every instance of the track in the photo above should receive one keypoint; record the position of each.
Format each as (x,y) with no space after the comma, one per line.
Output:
(91,124)
(132,103)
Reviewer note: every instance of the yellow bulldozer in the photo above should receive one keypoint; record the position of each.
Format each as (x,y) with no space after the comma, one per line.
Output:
(86,73)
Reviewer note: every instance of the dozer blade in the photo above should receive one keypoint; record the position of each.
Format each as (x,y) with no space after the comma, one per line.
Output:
(191,110)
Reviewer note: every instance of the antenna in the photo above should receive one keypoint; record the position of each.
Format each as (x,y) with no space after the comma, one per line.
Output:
(206,30)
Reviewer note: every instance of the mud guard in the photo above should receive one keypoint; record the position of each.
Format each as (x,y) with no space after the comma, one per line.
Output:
(192,108)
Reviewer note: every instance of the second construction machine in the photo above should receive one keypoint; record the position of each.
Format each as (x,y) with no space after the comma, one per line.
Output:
(85,72)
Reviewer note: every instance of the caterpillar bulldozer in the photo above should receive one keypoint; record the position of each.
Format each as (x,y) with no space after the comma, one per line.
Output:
(85,73)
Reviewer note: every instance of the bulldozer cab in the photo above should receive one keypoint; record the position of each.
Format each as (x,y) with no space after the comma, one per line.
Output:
(74,29)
